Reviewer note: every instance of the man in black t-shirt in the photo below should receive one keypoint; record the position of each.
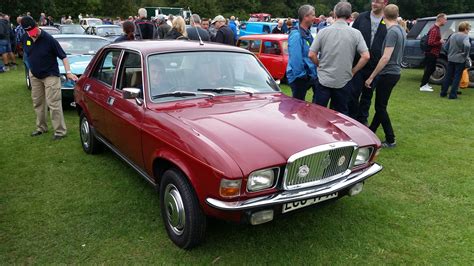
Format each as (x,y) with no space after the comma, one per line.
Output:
(224,33)
(42,51)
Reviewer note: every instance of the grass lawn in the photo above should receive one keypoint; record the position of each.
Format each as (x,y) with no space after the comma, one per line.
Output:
(59,205)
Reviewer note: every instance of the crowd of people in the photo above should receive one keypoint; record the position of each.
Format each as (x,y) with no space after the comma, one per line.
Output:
(352,57)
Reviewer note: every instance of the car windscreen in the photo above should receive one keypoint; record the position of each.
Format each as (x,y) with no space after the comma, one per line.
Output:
(94,22)
(212,72)
(107,31)
(75,29)
(81,45)
(51,30)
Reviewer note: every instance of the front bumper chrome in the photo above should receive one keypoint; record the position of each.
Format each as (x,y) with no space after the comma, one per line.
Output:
(290,196)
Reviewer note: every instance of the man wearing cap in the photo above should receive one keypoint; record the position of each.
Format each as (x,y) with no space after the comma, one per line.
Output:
(162,27)
(224,34)
(42,51)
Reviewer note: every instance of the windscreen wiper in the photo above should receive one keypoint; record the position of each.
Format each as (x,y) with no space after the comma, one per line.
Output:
(222,89)
(181,94)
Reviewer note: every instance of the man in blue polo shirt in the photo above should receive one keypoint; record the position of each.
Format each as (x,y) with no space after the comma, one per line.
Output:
(42,51)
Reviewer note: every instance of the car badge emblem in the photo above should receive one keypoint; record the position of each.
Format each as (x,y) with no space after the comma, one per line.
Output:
(341,160)
(303,171)
(326,162)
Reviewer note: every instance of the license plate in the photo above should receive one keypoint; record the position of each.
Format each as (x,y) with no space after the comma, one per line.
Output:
(288,207)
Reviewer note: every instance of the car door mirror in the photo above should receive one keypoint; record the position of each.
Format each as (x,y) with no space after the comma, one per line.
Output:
(131,93)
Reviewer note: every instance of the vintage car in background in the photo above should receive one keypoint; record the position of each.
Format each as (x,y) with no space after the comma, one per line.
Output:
(271,49)
(249,28)
(71,29)
(87,22)
(413,55)
(225,143)
(110,32)
(261,17)
(80,50)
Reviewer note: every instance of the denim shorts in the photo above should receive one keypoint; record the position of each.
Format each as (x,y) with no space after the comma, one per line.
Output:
(5,46)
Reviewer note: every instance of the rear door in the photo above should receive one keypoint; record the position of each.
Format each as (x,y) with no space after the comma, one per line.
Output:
(98,87)
(272,58)
(124,116)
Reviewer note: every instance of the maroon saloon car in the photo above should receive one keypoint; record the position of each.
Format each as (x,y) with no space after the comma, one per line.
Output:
(209,127)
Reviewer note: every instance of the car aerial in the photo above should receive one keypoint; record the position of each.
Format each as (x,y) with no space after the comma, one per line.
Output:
(71,29)
(208,127)
(80,50)
(248,28)
(50,29)
(87,22)
(110,32)
(413,55)
(271,49)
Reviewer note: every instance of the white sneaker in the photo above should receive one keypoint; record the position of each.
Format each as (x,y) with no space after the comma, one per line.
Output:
(428,85)
(426,88)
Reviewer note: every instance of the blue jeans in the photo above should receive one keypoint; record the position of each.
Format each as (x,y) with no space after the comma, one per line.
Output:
(453,77)
(339,97)
(300,86)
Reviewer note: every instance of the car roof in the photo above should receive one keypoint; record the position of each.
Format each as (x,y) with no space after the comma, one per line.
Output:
(157,46)
(92,19)
(47,27)
(454,16)
(82,36)
(272,37)
(69,25)
(262,23)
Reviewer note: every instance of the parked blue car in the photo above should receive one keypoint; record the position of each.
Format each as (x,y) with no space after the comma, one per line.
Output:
(80,50)
(250,28)
(413,55)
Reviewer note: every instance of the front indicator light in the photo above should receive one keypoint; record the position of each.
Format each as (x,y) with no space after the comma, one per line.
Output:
(230,188)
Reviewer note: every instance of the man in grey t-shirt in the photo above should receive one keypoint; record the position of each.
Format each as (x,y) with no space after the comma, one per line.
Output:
(337,46)
(387,72)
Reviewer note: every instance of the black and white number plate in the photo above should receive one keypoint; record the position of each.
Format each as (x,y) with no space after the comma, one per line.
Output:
(288,207)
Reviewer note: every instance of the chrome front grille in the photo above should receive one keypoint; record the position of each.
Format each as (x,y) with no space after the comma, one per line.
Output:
(319,165)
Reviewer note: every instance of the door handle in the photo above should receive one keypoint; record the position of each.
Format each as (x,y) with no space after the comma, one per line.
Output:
(110,100)
(87,87)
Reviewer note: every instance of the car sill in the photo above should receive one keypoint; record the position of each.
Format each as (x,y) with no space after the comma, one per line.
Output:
(123,157)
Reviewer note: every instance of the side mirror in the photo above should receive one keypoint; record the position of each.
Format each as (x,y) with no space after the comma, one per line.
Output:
(131,93)
(277,81)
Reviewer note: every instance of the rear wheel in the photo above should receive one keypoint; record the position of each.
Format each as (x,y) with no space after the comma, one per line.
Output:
(184,220)
(405,63)
(440,73)
(90,144)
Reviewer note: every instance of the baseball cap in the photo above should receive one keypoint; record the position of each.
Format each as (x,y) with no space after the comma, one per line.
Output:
(218,18)
(29,25)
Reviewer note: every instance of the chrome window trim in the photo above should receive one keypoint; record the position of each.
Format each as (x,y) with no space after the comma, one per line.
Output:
(318,149)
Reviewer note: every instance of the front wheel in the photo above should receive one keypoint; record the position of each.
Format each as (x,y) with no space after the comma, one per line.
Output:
(90,144)
(183,218)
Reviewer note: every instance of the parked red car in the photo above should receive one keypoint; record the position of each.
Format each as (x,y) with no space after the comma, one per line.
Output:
(271,49)
(211,129)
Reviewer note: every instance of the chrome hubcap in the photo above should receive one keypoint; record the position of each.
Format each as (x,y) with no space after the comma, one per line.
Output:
(85,133)
(174,207)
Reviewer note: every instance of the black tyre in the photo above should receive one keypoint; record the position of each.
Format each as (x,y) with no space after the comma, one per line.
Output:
(405,63)
(90,144)
(183,218)
(440,73)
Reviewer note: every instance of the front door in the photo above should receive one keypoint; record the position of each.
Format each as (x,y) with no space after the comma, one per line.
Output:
(125,116)
(98,87)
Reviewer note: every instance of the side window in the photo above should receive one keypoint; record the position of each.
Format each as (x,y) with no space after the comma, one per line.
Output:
(244,44)
(106,69)
(130,72)
(425,29)
(266,29)
(254,46)
(271,47)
